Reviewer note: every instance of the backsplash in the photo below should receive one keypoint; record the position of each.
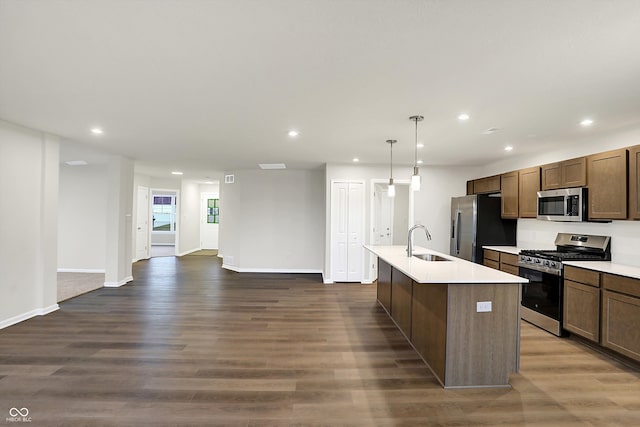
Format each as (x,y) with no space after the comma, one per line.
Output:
(625,236)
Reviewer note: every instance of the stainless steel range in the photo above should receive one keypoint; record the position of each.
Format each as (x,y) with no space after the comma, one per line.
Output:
(542,297)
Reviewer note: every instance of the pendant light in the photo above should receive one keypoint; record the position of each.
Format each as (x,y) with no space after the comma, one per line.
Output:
(391,190)
(415,178)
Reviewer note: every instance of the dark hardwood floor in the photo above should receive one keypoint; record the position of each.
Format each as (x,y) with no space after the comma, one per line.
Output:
(188,343)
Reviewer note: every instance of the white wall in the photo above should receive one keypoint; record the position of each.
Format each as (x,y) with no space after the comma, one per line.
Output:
(273,221)
(28,229)
(189,221)
(82,211)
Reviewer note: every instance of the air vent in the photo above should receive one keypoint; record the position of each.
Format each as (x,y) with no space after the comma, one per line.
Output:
(229,179)
(76,163)
(272,166)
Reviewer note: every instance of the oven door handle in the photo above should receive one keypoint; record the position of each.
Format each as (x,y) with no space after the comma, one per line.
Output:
(542,269)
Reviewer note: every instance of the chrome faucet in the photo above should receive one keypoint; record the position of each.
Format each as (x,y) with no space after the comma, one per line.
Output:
(409,244)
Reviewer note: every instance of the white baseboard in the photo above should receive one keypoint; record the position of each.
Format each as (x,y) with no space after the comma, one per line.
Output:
(139,259)
(188,252)
(118,284)
(81,270)
(28,315)
(271,270)
(163,244)
(367,282)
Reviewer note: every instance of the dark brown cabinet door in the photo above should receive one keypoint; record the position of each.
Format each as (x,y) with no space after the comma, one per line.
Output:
(582,310)
(401,295)
(621,323)
(551,176)
(568,173)
(490,184)
(607,181)
(529,183)
(384,284)
(634,182)
(574,172)
(509,190)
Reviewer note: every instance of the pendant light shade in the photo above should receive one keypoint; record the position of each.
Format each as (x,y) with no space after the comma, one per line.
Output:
(391,189)
(415,178)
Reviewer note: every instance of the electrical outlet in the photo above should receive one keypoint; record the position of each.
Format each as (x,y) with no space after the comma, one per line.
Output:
(483,306)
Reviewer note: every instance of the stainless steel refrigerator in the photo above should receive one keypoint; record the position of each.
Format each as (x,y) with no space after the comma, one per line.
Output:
(476,222)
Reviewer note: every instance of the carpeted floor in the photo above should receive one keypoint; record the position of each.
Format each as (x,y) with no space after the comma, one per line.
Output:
(73,284)
(205,252)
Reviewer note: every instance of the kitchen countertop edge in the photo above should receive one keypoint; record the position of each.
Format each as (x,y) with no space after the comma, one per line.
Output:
(454,271)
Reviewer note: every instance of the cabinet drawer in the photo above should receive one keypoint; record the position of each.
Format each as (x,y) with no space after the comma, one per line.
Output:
(491,263)
(508,259)
(581,275)
(512,269)
(492,255)
(625,285)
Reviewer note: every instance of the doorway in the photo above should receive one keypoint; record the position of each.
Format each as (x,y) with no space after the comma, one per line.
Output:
(164,222)
(391,217)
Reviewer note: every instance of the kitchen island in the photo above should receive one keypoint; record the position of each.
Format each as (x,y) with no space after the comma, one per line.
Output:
(462,318)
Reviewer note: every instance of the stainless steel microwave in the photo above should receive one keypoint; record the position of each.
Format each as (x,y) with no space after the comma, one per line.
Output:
(567,204)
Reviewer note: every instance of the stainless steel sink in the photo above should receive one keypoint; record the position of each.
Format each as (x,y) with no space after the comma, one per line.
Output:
(430,257)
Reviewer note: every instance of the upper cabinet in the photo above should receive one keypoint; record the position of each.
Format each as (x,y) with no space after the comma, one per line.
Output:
(634,182)
(568,173)
(529,185)
(607,182)
(490,184)
(509,199)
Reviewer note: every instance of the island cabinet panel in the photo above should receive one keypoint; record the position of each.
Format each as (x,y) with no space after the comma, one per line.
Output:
(384,284)
(482,347)
(634,182)
(429,325)
(509,199)
(607,182)
(401,294)
(621,315)
(529,185)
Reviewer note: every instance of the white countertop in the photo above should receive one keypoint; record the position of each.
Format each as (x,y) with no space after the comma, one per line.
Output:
(455,271)
(607,267)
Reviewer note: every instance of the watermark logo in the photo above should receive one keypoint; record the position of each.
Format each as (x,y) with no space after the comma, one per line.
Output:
(18,415)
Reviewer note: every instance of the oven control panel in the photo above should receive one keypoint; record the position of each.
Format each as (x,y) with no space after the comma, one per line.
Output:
(540,264)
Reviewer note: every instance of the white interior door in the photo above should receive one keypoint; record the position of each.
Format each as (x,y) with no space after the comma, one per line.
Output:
(383,216)
(142,223)
(355,257)
(339,230)
(347,231)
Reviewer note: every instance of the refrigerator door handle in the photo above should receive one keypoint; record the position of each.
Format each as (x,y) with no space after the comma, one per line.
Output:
(457,231)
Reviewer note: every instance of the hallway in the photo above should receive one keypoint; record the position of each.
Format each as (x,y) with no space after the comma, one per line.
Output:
(188,342)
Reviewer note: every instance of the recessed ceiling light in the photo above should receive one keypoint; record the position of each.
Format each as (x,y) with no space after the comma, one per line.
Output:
(272,165)
(586,122)
(420,145)
(76,163)
(356,160)
(209,182)
(293,133)
(463,117)
(508,148)
(419,162)
(176,173)
(97,131)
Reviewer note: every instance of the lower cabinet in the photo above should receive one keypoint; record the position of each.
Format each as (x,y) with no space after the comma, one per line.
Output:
(491,259)
(581,310)
(621,315)
(502,261)
(384,285)
(401,295)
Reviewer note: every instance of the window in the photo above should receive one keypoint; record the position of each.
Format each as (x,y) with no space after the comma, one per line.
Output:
(164,213)
(213,211)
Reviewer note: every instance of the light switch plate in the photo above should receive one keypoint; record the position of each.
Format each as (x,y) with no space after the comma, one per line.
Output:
(483,306)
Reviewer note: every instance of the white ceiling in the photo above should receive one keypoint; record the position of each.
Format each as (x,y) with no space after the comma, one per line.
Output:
(206,86)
